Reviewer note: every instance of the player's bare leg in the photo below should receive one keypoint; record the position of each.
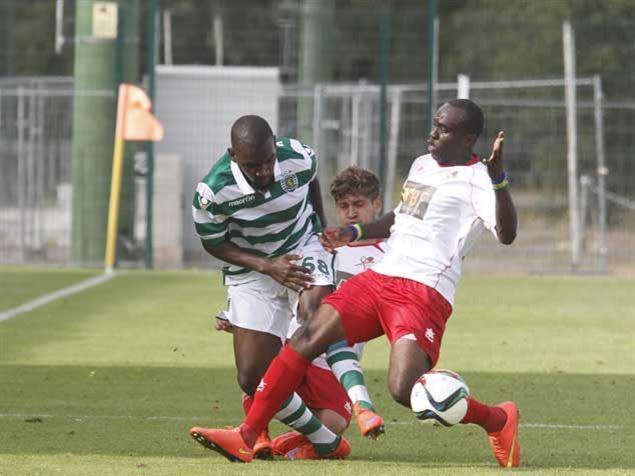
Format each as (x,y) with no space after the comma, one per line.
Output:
(408,362)
(253,352)
(322,329)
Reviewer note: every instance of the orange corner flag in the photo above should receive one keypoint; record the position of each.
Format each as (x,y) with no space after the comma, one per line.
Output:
(134,122)
(134,119)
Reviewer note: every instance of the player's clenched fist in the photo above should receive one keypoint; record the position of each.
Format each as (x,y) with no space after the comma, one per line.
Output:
(286,272)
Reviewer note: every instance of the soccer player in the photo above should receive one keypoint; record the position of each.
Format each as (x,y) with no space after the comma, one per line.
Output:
(448,198)
(356,193)
(259,210)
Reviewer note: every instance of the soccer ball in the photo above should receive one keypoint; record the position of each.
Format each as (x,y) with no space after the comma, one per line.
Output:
(439,397)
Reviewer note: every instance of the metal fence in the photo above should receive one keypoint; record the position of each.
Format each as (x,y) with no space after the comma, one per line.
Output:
(533,115)
(35,164)
(36,177)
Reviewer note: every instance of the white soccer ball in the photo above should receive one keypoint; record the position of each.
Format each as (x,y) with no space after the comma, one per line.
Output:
(439,397)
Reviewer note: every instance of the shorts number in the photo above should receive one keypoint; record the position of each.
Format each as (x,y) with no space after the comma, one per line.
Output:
(321,265)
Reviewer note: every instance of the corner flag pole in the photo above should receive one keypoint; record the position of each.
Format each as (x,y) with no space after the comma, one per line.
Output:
(134,122)
(115,182)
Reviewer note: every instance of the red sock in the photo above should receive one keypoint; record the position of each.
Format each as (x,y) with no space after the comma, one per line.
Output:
(491,419)
(247,402)
(282,377)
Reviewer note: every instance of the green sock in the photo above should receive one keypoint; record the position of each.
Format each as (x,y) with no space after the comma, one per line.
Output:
(344,363)
(295,414)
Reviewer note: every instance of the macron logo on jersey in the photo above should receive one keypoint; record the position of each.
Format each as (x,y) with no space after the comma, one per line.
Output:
(261,386)
(242,201)
(429,334)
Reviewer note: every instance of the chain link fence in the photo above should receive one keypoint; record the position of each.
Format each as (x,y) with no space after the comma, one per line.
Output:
(338,111)
(36,183)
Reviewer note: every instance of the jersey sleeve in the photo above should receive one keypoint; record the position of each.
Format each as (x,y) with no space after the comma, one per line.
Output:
(211,227)
(313,161)
(308,154)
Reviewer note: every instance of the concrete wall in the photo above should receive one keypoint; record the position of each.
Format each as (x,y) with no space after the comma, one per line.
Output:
(197,106)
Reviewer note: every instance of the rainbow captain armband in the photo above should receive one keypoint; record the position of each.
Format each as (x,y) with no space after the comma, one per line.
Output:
(500,183)
(356,230)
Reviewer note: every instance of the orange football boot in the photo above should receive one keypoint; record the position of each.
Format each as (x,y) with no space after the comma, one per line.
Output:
(308,451)
(370,423)
(288,441)
(505,442)
(229,443)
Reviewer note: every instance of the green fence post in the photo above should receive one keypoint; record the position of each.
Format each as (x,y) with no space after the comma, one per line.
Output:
(384,55)
(431,16)
(154,8)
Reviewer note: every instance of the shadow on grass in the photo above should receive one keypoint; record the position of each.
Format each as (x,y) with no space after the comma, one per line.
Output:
(146,411)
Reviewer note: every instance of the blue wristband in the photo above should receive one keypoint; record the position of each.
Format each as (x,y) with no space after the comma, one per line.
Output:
(500,179)
(354,232)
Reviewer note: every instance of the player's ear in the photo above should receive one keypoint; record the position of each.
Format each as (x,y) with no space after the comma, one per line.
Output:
(470,139)
(377,204)
(231,153)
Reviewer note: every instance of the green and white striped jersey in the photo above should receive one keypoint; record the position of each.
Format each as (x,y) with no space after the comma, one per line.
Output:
(227,208)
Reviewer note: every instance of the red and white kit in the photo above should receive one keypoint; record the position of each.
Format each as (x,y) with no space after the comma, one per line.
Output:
(410,292)
(320,389)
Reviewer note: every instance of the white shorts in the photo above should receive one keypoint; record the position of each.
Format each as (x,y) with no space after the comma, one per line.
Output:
(265,305)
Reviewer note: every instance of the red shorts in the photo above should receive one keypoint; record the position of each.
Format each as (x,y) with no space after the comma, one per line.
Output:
(321,390)
(371,304)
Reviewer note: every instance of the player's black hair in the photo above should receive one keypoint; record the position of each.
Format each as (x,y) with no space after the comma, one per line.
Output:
(474,120)
(252,131)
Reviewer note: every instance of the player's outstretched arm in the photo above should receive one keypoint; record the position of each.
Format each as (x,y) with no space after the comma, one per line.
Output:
(506,219)
(282,269)
(335,237)
(379,228)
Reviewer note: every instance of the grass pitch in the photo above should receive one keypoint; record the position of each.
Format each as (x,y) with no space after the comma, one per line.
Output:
(108,381)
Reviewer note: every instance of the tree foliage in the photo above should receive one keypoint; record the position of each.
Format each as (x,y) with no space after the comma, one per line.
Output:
(487,39)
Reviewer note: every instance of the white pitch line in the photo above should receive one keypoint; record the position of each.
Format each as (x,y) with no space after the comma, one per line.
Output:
(47,298)
(555,426)
(573,427)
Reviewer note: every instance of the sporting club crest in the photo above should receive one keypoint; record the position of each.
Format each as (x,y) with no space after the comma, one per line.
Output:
(289,182)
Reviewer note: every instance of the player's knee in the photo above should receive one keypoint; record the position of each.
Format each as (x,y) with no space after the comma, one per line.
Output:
(248,381)
(400,390)
(332,420)
(305,343)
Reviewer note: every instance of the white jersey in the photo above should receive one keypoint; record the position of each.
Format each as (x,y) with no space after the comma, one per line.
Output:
(357,257)
(349,261)
(442,212)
